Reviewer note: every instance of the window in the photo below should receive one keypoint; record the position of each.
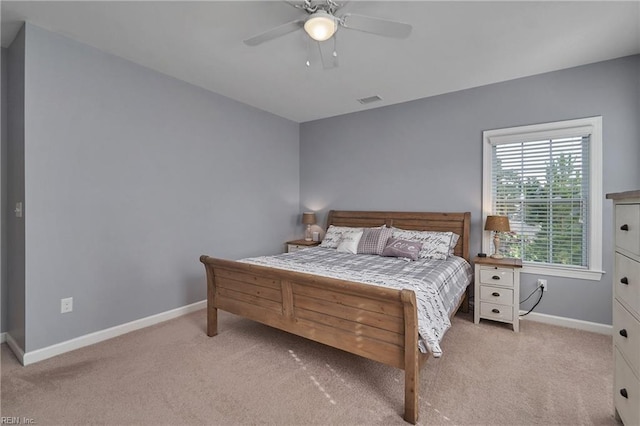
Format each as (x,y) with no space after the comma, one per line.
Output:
(547,178)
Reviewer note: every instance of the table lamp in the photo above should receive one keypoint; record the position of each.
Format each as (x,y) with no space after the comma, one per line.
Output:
(308,218)
(497,224)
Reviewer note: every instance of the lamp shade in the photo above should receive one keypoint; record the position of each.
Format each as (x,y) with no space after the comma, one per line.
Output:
(320,26)
(309,218)
(497,223)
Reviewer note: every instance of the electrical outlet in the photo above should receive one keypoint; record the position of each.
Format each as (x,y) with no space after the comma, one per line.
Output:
(66,305)
(543,283)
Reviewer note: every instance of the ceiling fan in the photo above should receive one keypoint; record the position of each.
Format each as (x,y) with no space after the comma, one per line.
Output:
(321,24)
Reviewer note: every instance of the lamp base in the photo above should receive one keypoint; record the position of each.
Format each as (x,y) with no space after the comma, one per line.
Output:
(496,247)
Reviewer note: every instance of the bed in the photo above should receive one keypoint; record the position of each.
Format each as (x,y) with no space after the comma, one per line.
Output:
(372,321)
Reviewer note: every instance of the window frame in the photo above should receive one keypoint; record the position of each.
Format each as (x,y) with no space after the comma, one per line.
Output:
(553,130)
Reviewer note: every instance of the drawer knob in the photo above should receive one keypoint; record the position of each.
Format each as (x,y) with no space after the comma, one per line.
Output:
(495,311)
(495,277)
(624,393)
(624,227)
(624,280)
(495,294)
(623,333)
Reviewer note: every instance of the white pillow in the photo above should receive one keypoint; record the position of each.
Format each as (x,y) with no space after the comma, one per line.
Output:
(454,241)
(435,245)
(349,242)
(334,233)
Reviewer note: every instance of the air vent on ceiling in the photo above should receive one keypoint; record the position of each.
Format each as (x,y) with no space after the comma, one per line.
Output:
(370,99)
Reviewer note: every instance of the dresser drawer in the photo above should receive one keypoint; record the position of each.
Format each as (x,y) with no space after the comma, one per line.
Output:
(627,282)
(496,276)
(624,381)
(496,312)
(628,216)
(499,295)
(626,325)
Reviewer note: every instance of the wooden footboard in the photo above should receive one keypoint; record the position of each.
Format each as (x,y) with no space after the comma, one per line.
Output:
(374,322)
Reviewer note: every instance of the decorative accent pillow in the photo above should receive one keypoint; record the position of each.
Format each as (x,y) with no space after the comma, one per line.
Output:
(435,245)
(334,233)
(349,242)
(402,248)
(374,240)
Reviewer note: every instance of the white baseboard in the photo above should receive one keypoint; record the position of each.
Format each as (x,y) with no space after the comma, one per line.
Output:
(109,333)
(99,336)
(15,348)
(569,322)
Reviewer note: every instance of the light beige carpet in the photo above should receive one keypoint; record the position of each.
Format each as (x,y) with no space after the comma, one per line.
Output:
(173,374)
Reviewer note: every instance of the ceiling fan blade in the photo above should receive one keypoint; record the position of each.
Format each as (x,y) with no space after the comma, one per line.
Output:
(383,27)
(328,54)
(276,32)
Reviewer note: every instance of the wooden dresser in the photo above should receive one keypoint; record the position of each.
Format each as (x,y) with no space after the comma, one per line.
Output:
(626,307)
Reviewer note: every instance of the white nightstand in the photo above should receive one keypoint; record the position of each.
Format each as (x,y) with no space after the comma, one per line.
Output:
(300,244)
(497,290)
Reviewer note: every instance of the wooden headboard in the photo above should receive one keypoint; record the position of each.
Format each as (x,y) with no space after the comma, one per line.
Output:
(458,223)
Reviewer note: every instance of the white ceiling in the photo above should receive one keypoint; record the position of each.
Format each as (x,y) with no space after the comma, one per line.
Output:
(454,45)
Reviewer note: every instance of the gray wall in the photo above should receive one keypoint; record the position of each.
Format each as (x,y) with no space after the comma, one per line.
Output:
(15,227)
(427,155)
(3,190)
(130,176)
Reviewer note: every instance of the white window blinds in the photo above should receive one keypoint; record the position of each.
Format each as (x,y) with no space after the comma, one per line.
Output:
(542,185)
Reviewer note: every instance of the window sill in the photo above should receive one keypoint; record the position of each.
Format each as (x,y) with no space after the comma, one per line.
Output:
(556,271)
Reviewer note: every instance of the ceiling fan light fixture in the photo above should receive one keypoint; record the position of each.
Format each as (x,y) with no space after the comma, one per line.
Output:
(321,25)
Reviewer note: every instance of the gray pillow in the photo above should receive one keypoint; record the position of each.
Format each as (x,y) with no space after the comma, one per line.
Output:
(435,245)
(374,240)
(402,248)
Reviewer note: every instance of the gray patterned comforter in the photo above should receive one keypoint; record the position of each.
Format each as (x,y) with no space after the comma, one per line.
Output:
(438,284)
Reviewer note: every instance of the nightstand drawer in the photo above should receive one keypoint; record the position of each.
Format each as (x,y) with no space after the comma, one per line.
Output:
(628,227)
(626,383)
(626,335)
(496,276)
(499,295)
(496,312)
(627,282)
(295,245)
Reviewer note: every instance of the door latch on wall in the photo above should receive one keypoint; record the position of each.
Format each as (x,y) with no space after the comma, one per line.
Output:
(18,209)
